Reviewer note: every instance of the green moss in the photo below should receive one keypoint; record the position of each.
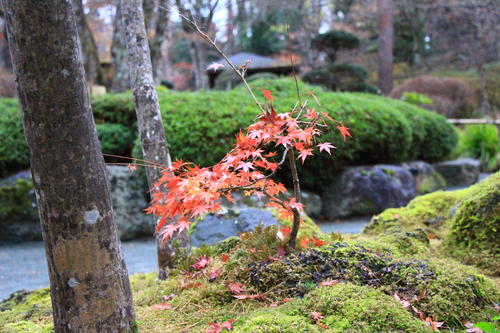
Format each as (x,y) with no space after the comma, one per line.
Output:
(26,312)
(276,322)
(457,293)
(430,184)
(430,212)
(476,226)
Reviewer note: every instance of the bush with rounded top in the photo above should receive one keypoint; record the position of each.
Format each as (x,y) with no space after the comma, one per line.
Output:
(333,41)
(115,139)
(452,97)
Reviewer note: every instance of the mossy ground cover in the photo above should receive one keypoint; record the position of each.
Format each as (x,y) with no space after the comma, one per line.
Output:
(463,224)
(351,283)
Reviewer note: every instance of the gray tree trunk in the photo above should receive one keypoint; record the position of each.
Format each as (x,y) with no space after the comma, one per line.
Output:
(160,35)
(90,54)
(385,46)
(154,143)
(89,283)
(121,77)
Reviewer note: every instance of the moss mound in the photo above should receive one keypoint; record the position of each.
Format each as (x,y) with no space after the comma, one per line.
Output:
(361,300)
(476,227)
(464,224)
(345,307)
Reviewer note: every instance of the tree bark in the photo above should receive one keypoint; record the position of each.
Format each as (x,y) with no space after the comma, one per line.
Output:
(89,283)
(154,143)
(121,77)
(156,41)
(90,54)
(385,46)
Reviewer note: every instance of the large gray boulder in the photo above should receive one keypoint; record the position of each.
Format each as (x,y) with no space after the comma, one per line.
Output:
(19,217)
(368,190)
(461,172)
(217,227)
(425,176)
(128,194)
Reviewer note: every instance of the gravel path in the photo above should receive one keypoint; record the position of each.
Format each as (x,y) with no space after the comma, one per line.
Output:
(23,266)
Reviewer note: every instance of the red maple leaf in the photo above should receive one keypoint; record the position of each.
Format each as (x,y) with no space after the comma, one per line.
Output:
(201,263)
(224,257)
(316,316)
(328,283)
(267,95)
(326,146)
(304,153)
(161,306)
(344,130)
(236,288)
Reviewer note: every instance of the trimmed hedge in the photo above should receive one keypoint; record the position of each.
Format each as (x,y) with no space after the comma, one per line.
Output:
(201,126)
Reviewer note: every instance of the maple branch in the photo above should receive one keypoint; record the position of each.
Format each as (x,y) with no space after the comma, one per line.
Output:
(248,186)
(135,159)
(296,192)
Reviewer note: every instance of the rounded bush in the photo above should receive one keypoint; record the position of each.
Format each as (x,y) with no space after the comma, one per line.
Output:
(114,108)
(451,97)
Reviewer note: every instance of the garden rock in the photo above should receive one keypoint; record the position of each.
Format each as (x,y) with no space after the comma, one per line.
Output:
(19,217)
(368,190)
(128,195)
(461,172)
(312,202)
(426,178)
(217,227)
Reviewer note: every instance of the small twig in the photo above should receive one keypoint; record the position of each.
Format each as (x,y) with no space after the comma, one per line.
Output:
(212,43)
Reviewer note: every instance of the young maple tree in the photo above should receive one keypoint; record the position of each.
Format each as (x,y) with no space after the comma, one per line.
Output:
(186,191)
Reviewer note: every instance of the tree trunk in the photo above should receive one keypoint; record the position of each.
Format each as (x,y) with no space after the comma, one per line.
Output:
(156,42)
(121,77)
(154,143)
(90,54)
(385,46)
(89,283)
(198,55)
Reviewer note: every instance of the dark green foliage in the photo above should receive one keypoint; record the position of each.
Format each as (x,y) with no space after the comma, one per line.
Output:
(333,41)
(114,108)
(343,77)
(264,38)
(13,150)
(115,139)
(16,201)
(201,126)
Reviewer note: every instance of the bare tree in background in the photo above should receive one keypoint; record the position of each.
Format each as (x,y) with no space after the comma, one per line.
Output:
(202,12)
(385,45)
(121,76)
(90,55)
(152,133)
(89,285)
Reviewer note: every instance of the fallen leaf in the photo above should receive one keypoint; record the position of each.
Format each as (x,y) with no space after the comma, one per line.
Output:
(316,315)
(161,306)
(201,263)
(328,283)
(169,297)
(236,288)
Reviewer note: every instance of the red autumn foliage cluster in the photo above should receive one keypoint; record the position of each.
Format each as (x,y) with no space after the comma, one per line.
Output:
(186,191)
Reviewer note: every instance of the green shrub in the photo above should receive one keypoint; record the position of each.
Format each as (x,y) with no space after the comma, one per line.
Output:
(482,142)
(13,150)
(115,139)
(201,127)
(333,41)
(343,77)
(114,108)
